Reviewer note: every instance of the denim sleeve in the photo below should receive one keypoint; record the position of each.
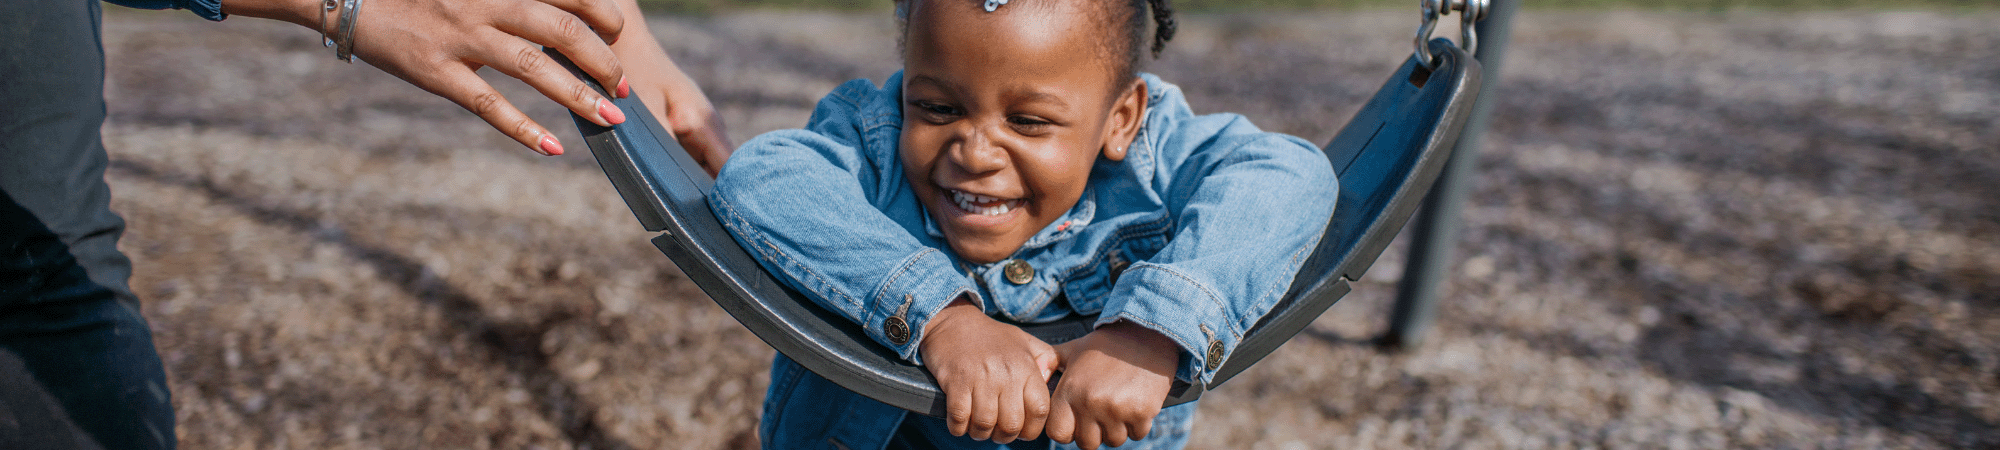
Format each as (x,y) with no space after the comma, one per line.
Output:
(800,201)
(207,9)
(1248,208)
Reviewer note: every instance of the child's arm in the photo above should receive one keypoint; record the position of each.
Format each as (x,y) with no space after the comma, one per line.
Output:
(1248,208)
(808,204)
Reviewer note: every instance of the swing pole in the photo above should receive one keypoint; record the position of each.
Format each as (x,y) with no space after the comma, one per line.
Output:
(1437,223)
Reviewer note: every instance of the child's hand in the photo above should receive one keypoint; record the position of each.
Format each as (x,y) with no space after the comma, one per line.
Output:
(1114,381)
(994,376)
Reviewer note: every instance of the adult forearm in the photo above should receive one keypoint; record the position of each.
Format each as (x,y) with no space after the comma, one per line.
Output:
(302,12)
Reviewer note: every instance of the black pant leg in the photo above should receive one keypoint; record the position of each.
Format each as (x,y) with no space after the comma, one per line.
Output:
(68,320)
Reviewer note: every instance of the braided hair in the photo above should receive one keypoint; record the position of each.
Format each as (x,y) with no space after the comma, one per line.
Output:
(1129,18)
(1134,24)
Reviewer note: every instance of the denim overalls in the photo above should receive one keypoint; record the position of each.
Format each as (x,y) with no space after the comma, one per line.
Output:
(1196,234)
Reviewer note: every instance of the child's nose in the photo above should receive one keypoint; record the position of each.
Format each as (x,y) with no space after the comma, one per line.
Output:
(977,153)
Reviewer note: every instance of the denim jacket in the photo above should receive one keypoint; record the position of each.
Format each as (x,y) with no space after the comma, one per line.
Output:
(1196,234)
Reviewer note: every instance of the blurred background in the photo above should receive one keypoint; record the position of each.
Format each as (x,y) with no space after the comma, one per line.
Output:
(1703,224)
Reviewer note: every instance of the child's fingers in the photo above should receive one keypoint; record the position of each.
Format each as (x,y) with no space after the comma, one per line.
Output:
(1088,434)
(957,409)
(1114,433)
(1066,352)
(985,412)
(1034,409)
(1062,420)
(1140,429)
(1008,426)
(1048,361)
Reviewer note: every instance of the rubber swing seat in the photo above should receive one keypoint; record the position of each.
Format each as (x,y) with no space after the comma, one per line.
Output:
(1387,157)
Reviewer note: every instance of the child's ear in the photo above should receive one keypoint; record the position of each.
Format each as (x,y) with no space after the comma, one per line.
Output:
(1128,112)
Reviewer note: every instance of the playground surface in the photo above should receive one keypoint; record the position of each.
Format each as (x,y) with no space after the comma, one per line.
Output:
(1687,231)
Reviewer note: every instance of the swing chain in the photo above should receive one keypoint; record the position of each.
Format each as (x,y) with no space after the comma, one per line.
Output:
(1470,12)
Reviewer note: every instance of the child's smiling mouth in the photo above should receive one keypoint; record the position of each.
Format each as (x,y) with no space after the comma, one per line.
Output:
(983,205)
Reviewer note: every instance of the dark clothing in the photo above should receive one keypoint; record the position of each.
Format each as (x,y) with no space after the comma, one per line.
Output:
(72,342)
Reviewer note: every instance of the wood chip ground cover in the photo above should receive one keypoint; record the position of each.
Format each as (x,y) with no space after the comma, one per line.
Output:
(1741,230)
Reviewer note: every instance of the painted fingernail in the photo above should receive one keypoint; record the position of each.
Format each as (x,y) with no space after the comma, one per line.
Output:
(624,90)
(550,146)
(610,113)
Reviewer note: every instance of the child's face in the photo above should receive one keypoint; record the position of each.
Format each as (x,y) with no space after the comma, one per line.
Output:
(1004,114)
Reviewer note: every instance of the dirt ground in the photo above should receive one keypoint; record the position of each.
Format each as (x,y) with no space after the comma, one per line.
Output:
(1734,230)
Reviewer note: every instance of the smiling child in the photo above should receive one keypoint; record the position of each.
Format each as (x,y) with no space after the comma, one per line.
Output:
(1020,168)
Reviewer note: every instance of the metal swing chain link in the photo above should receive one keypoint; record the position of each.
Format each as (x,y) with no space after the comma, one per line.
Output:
(1470,12)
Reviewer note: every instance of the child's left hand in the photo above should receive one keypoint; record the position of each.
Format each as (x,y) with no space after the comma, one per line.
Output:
(1114,380)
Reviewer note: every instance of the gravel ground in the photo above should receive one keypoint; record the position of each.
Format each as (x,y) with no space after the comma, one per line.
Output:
(1735,230)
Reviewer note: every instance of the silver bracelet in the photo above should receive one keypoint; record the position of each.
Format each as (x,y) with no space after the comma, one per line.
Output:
(326,7)
(345,37)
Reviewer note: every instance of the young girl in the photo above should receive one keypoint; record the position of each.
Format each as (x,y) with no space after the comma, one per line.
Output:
(1020,167)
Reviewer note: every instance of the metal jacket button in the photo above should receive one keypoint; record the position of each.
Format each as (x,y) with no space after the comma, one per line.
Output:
(1019,272)
(1214,354)
(897,329)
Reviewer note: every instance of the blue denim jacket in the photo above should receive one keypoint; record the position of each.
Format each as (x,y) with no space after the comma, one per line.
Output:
(1196,234)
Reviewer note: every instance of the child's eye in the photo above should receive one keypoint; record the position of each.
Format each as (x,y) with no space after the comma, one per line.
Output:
(936,112)
(1029,122)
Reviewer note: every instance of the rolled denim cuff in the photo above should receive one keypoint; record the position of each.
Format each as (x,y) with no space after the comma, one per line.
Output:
(1174,304)
(207,9)
(921,286)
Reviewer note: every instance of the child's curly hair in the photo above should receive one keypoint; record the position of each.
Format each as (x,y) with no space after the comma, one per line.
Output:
(1128,17)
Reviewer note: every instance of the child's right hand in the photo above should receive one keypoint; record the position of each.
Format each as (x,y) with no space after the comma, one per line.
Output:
(994,376)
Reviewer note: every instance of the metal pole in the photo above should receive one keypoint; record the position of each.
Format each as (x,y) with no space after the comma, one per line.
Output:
(1436,230)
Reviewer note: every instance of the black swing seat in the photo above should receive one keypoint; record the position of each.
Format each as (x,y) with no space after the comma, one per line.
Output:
(1387,158)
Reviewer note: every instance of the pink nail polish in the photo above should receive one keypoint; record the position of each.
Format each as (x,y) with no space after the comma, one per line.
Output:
(624,90)
(610,113)
(550,146)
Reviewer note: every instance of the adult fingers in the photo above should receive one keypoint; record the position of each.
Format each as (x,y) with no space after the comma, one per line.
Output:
(530,65)
(461,86)
(603,17)
(705,140)
(569,34)
(675,99)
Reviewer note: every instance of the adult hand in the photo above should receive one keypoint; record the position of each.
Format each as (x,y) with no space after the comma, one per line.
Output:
(994,376)
(674,98)
(438,44)
(1114,381)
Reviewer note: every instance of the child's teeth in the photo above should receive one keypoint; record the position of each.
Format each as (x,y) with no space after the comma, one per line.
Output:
(969,202)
